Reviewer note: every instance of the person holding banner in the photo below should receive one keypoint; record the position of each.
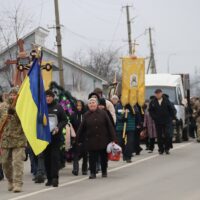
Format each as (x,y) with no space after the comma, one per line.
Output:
(13,143)
(126,134)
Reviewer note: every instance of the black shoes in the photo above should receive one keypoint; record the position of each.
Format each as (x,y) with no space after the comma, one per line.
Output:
(84,173)
(48,183)
(161,152)
(39,179)
(75,173)
(128,161)
(92,176)
(167,152)
(55,182)
(104,174)
(1,178)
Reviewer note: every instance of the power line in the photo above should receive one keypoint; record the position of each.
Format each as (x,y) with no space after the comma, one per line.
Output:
(89,38)
(116,28)
(96,4)
(89,11)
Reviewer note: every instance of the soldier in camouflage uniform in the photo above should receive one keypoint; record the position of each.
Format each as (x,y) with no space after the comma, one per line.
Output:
(13,144)
(196,114)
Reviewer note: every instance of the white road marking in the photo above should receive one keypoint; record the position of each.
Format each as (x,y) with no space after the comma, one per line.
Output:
(86,178)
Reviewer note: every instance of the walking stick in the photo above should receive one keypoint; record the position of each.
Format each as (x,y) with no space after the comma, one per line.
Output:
(124,128)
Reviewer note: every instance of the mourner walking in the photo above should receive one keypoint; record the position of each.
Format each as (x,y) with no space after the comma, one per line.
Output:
(76,120)
(57,120)
(95,133)
(13,143)
(162,112)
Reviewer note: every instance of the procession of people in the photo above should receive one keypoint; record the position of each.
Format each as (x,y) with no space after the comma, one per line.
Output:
(93,125)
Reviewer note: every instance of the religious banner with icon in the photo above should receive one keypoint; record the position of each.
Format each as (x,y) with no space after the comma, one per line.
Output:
(133,81)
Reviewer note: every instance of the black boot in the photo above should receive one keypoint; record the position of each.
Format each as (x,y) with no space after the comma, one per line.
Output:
(1,173)
(84,173)
(75,173)
(92,176)
(39,179)
(104,174)
(48,183)
(55,182)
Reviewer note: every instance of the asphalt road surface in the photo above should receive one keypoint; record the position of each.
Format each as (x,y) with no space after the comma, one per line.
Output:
(148,177)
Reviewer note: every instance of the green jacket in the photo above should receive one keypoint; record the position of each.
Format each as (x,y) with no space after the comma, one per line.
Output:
(13,135)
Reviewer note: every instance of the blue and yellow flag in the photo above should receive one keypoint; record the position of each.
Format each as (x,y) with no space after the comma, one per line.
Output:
(32,110)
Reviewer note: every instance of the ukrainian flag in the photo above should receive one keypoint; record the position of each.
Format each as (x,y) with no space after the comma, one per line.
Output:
(32,110)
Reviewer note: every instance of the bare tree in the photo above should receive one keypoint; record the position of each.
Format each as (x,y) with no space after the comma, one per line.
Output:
(14,23)
(195,85)
(104,62)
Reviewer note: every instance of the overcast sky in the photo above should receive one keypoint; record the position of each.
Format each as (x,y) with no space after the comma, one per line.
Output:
(102,23)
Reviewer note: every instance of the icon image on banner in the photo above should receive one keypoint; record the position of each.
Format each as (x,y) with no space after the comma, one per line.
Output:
(133,80)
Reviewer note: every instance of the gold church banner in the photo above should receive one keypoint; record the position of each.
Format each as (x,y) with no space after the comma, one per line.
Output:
(133,81)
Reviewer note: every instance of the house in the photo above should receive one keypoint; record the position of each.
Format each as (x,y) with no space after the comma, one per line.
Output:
(78,80)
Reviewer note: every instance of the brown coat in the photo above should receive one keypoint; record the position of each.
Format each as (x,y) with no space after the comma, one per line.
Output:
(96,131)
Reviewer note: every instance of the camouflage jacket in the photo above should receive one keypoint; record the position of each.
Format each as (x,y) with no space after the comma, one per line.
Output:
(13,135)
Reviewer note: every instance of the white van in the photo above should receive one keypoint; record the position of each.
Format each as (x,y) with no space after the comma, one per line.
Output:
(172,86)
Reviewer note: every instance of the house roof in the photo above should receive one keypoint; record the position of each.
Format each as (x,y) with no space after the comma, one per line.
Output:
(76,65)
(25,36)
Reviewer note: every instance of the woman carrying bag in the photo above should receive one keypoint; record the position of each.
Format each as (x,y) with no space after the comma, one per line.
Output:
(95,133)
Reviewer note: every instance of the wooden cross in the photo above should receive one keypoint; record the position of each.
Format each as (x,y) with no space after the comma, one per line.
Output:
(19,75)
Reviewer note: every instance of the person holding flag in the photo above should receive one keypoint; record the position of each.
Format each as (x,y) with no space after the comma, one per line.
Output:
(13,142)
(31,108)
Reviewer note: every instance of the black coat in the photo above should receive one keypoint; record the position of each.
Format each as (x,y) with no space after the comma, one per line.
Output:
(162,114)
(76,120)
(57,109)
(96,131)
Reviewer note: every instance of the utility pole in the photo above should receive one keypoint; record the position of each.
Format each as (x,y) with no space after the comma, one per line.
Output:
(59,44)
(129,30)
(152,63)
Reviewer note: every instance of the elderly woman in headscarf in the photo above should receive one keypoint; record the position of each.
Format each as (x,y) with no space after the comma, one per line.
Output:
(95,133)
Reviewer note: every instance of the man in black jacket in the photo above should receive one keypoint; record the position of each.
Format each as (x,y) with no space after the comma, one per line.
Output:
(57,120)
(162,112)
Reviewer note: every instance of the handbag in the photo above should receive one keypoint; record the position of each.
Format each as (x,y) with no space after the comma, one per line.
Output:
(70,134)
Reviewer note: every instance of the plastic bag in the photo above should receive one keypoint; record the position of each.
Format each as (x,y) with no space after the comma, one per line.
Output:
(114,152)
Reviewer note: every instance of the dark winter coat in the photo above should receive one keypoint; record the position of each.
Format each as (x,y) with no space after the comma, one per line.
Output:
(76,120)
(96,131)
(161,114)
(57,110)
(133,120)
(77,117)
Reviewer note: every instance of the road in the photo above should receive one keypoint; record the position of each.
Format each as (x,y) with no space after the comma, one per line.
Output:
(149,176)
